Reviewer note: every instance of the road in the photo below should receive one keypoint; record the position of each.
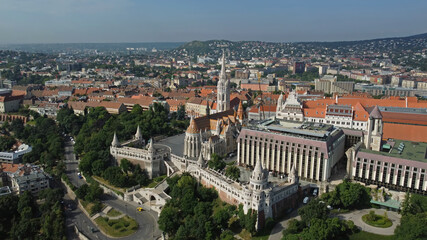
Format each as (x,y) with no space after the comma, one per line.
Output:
(147,220)
(72,164)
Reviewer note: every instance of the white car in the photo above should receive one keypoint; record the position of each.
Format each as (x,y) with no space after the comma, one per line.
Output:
(305,201)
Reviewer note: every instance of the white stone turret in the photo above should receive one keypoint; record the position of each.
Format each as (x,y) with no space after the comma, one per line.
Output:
(293,175)
(259,177)
(279,103)
(115,142)
(201,161)
(150,146)
(138,134)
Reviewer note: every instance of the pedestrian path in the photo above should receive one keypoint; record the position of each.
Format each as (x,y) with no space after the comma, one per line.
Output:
(355,216)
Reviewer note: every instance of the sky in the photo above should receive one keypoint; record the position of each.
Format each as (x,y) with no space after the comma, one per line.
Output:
(112,21)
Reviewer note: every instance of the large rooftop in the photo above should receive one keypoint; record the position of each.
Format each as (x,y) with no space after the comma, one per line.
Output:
(308,130)
(404,149)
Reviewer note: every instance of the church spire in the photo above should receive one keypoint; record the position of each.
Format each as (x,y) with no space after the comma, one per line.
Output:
(222,76)
(223,86)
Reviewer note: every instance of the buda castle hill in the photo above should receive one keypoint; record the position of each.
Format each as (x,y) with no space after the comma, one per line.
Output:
(379,142)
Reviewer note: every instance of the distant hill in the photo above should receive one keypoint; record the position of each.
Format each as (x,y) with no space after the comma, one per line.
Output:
(213,47)
(104,47)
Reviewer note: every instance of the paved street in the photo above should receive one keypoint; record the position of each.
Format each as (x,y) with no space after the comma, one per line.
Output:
(147,220)
(355,216)
(72,164)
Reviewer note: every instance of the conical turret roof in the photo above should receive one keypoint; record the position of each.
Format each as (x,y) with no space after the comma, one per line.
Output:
(258,167)
(115,142)
(201,161)
(138,134)
(150,145)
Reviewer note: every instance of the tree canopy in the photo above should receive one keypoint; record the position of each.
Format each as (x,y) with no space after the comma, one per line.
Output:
(413,224)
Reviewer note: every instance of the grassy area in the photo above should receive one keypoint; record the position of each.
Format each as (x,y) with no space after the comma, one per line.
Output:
(114,213)
(122,227)
(245,234)
(88,206)
(377,220)
(107,184)
(156,181)
(369,236)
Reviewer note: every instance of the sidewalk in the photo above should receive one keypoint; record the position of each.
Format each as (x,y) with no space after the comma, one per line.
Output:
(355,216)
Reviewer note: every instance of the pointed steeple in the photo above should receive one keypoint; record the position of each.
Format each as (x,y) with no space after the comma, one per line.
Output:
(259,178)
(115,142)
(201,161)
(240,111)
(138,134)
(150,145)
(222,76)
(208,109)
(293,175)
(258,167)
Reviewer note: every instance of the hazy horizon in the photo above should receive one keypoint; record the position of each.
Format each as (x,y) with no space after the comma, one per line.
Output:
(131,21)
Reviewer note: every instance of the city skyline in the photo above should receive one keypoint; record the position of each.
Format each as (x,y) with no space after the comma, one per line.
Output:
(110,21)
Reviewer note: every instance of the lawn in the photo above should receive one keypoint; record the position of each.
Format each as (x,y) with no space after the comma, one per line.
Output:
(121,227)
(114,213)
(369,236)
(156,181)
(88,207)
(107,184)
(377,220)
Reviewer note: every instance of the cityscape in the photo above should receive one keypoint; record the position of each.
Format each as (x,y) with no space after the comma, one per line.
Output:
(213,125)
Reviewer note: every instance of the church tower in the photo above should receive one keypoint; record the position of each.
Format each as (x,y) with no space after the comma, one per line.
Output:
(374,130)
(223,89)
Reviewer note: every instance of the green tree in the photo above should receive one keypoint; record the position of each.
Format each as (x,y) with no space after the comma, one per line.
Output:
(216,162)
(314,209)
(169,220)
(6,143)
(233,172)
(125,165)
(412,226)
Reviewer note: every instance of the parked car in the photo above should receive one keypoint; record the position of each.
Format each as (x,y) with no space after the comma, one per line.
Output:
(305,200)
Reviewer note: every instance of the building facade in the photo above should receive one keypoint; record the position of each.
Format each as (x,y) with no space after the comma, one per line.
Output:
(214,133)
(268,199)
(148,156)
(403,167)
(314,150)
(24,177)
